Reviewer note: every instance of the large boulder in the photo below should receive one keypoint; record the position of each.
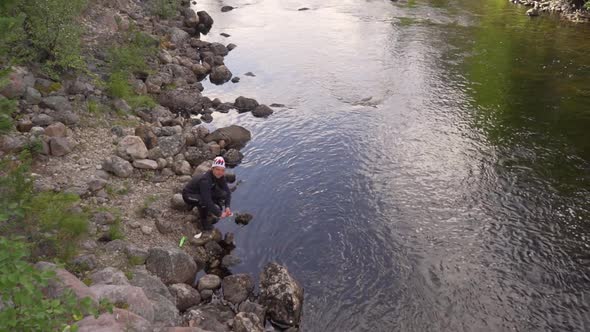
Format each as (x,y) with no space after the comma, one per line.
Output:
(60,146)
(237,287)
(171,265)
(155,81)
(255,308)
(132,296)
(234,136)
(64,281)
(262,111)
(131,148)
(109,276)
(178,36)
(151,284)
(195,156)
(18,82)
(119,321)
(220,75)
(118,166)
(170,146)
(56,103)
(218,49)
(281,294)
(233,157)
(185,296)
(180,100)
(205,22)
(57,129)
(244,104)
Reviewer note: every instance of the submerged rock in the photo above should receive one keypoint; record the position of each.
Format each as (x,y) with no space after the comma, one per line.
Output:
(281,294)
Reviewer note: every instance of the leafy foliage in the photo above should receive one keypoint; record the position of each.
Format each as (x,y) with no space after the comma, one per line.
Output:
(164,8)
(25,308)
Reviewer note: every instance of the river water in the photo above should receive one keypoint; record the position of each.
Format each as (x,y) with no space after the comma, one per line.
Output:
(431,168)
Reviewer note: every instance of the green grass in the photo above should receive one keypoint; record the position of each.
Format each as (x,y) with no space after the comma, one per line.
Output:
(96,107)
(164,8)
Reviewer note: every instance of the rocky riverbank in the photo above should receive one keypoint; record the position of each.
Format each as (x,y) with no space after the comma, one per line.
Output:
(128,164)
(570,10)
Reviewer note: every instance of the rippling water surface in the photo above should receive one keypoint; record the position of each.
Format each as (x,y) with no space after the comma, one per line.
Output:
(431,168)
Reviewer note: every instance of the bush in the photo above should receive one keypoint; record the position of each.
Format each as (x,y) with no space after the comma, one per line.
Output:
(25,308)
(46,218)
(127,60)
(164,8)
(44,31)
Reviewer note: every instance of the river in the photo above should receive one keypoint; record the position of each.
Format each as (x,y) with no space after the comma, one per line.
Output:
(431,168)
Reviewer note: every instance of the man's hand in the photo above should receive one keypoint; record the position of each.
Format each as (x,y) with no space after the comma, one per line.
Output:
(226,213)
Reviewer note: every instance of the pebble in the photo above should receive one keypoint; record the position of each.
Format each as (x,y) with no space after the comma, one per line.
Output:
(147,230)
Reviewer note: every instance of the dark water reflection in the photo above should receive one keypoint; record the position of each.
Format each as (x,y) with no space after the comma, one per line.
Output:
(455,198)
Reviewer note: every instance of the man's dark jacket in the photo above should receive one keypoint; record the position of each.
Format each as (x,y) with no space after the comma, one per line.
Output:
(207,187)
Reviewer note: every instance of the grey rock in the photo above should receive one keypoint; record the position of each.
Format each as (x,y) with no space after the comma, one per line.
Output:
(57,129)
(121,105)
(42,120)
(96,184)
(206,294)
(37,131)
(119,320)
(181,167)
(237,288)
(178,203)
(231,46)
(229,261)
(145,164)
(171,145)
(195,156)
(155,153)
(281,294)
(203,167)
(180,100)
(209,281)
(214,249)
(116,246)
(211,317)
(135,254)
(147,230)
(166,313)
(254,308)
(57,103)
(17,83)
(171,265)
(247,322)
(207,118)
(109,276)
(243,218)
(103,218)
(151,284)
(132,148)
(33,96)
(60,146)
(63,281)
(205,22)
(24,126)
(220,75)
(218,49)
(234,136)
(233,157)
(84,262)
(226,9)
(147,135)
(244,104)
(118,166)
(178,36)
(251,74)
(262,111)
(235,79)
(230,177)
(164,225)
(185,296)
(133,296)
(118,131)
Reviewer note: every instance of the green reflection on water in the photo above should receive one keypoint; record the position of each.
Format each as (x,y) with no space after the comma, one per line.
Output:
(529,81)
